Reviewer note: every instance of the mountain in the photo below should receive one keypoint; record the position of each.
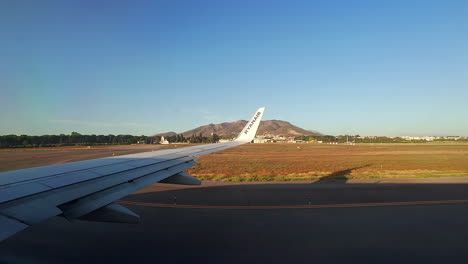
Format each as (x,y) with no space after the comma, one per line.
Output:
(226,129)
(167,134)
(283,128)
(232,129)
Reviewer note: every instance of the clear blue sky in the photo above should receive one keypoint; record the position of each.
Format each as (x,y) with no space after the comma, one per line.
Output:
(143,67)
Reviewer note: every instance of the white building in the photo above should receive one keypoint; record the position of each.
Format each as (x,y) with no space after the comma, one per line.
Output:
(163,141)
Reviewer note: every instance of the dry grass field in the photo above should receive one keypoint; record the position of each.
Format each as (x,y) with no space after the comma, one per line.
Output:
(281,162)
(22,158)
(286,162)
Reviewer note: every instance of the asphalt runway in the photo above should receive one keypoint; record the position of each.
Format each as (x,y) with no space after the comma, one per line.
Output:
(409,221)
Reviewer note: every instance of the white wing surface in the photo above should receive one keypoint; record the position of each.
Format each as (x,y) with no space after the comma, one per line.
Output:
(87,189)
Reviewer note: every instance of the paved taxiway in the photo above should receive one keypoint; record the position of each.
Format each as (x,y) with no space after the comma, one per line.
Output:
(389,233)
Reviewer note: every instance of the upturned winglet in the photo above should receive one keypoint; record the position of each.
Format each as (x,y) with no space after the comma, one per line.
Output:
(248,133)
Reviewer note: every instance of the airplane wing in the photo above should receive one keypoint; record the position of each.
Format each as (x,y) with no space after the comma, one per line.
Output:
(87,190)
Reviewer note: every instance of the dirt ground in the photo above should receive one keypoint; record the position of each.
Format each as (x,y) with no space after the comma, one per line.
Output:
(281,162)
(14,159)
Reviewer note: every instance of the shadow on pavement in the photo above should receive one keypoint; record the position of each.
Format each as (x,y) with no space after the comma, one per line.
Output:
(341,176)
(274,194)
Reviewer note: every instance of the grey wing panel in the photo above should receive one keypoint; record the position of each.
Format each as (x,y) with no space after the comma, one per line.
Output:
(8,193)
(32,200)
(82,197)
(18,176)
(135,167)
(40,206)
(75,189)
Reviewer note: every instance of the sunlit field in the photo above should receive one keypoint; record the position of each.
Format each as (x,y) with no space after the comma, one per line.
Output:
(286,162)
(281,162)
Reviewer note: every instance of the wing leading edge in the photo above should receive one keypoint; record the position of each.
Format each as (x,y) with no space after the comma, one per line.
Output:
(87,189)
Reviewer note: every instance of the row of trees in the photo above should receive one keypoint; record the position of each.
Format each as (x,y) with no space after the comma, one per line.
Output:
(193,139)
(201,139)
(25,141)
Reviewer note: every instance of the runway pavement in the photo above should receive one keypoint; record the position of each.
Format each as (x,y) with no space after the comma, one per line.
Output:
(410,221)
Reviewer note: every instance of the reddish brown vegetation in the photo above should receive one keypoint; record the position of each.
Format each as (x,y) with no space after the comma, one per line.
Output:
(311,161)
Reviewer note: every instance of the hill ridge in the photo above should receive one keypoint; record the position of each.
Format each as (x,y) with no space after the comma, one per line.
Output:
(232,129)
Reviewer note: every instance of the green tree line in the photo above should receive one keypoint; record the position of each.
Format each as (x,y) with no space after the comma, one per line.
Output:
(202,139)
(77,139)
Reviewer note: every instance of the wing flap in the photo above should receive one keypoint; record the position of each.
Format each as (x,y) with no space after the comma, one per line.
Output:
(52,203)
(97,200)
(114,213)
(182,178)
(9,227)
(33,212)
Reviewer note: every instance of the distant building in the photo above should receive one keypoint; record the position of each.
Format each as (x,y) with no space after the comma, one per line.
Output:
(420,138)
(262,139)
(163,141)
